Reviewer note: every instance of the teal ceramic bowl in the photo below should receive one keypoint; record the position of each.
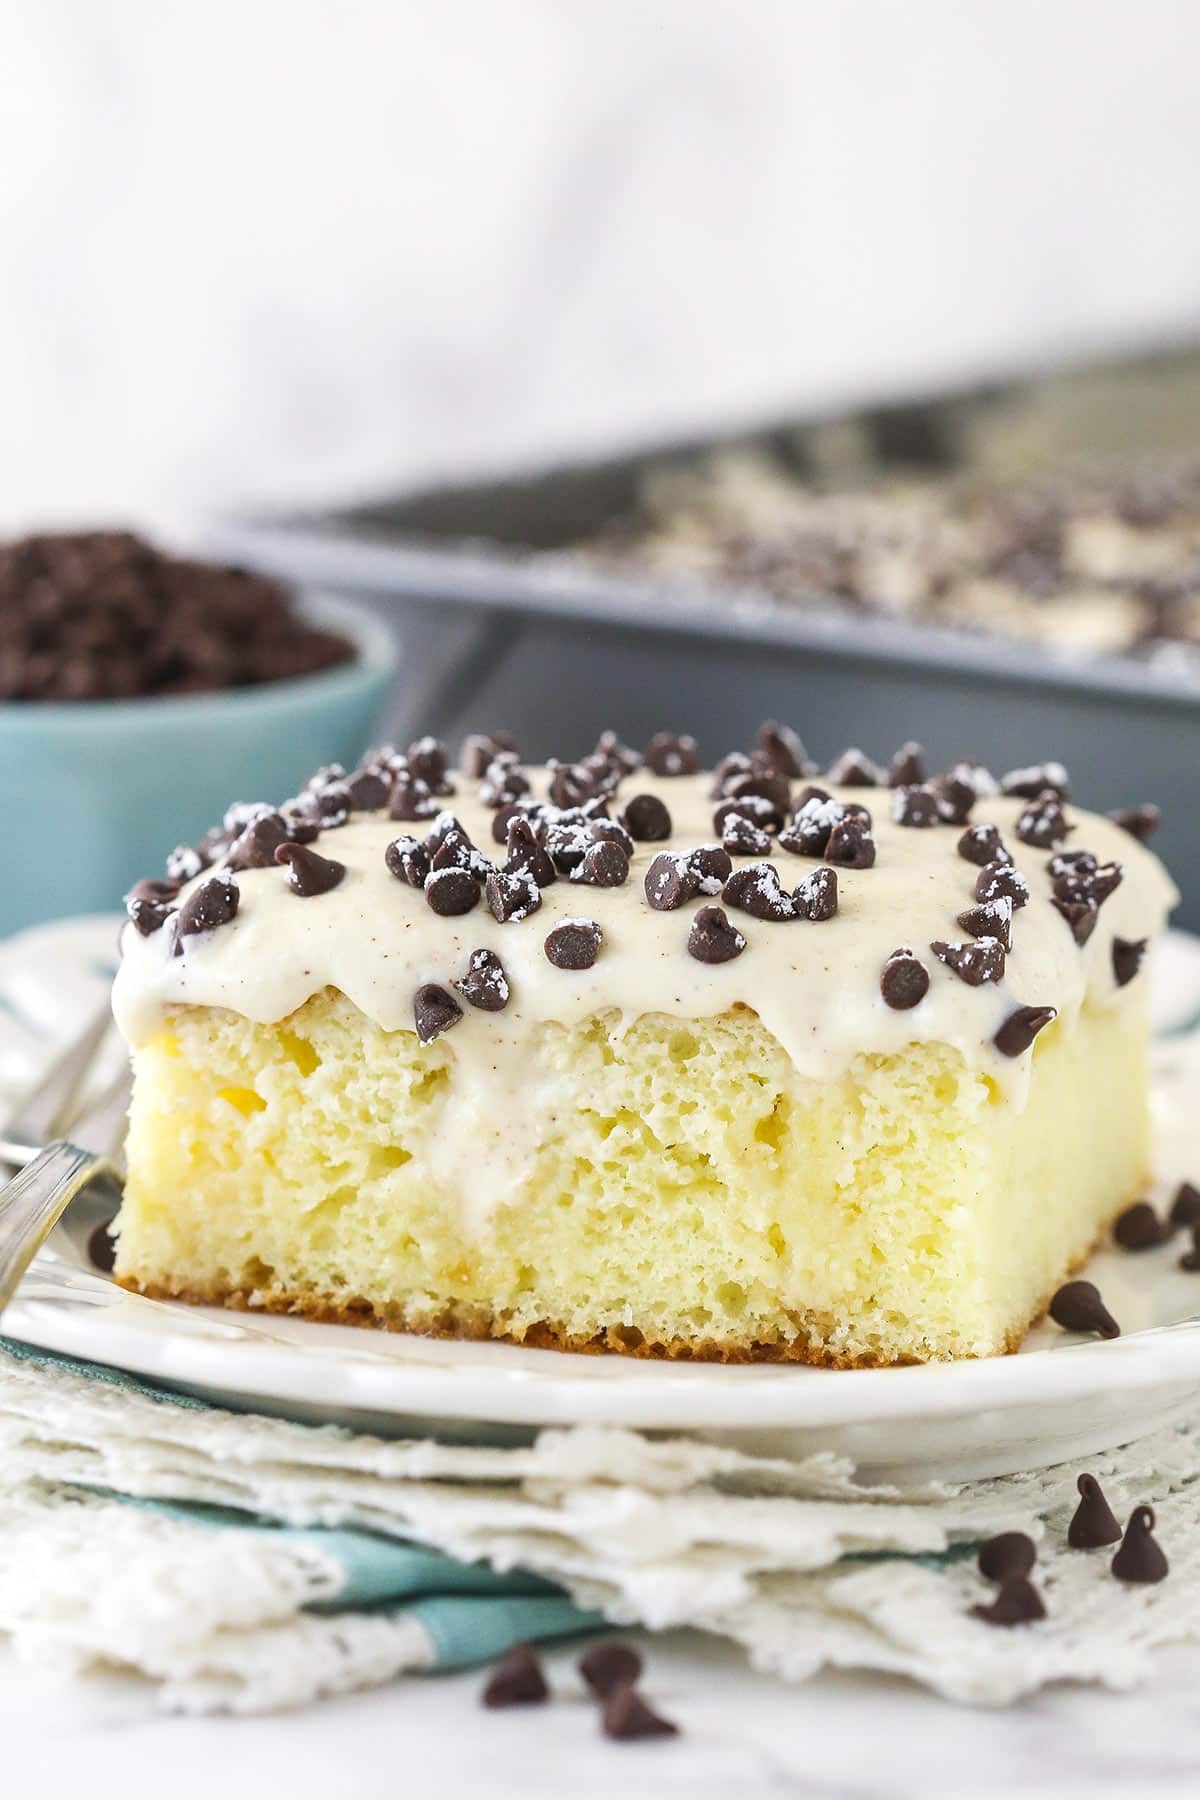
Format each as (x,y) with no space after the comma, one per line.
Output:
(96,794)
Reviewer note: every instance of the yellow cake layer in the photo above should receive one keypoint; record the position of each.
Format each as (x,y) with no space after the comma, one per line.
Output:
(690,1193)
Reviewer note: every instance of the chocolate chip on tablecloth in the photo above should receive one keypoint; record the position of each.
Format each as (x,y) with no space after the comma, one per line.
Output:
(815,896)
(482,748)
(713,938)
(1140,1558)
(850,844)
(981,845)
(907,767)
(626,1716)
(1040,778)
(516,1680)
(1185,1206)
(308,873)
(1077,1306)
(998,880)
(1021,1027)
(1139,1227)
(451,892)
(1080,915)
(149,904)
(670,881)
(212,904)
(742,837)
(989,918)
(915,806)
(1092,1523)
(646,819)
(485,983)
(604,865)
(1127,955)
(976,963)
(1141,822)
(904,981)
(1007,1557)
(780,746)
(511,896)
(1017,1603)
(755,889)
(407,860)
(575,944)
(667,754)
(1043,823)
(606,1666)
(527,855)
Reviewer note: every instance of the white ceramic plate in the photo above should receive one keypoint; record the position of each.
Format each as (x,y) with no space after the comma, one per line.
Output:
(1060,1398)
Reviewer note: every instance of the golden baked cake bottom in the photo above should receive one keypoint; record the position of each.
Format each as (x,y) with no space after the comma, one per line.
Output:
(689,1193)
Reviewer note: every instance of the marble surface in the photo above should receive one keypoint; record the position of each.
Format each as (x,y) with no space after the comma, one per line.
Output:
(839,1738)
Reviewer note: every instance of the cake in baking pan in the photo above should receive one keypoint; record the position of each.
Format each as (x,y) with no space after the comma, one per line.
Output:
(845,1067)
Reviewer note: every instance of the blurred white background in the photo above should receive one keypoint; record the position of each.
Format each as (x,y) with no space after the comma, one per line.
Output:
(285,250)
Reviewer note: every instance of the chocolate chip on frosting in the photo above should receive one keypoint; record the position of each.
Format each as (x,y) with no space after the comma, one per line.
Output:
(646,819)
(1141,822)
(1185,1206)
(975,963)
(511,896)
(667,754)
(997,881)
(570,784)
(1092,1524)
(451,848)
(904,982)
(907,768)
(955,797)
(808,830)
(781,748)
(451,892)
(982,844)
(411,799)
(1081,916)
(213,903)
(1017,1603)
(855,769)
(1139,1227)
(617,756)
(308,873)
(713,939)
(990,918)
(184,862)
(527,855)
(670,881)
(369,789)
(407,860)
(1077,1306)
(1140,1557)
(503,781)
(483,748)
(711,865)
(1008,1556)
(915,806)
(755,889)
(610,831)
(755,809)
(575,944)
(1127,955)
(742,837)
(150,904)
(256,844)
(1043,824)
(604,865)
(429,761)
(850,844)
(1021,1027)
(815,896)
(434,1011)
(485,983)
(1040,778)
(1078,876)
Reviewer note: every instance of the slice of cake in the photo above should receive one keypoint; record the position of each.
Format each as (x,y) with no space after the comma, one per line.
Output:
(619,1055)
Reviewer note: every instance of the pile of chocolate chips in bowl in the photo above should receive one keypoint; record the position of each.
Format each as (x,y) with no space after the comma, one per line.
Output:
(104,615)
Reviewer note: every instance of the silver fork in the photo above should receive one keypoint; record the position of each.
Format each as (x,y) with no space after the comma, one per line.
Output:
(52,1174)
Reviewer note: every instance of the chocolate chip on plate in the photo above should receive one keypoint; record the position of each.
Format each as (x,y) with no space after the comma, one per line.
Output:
(904,982)
(626,1716)
(990,918)
(1140,1557)
(485,983)
(434,1011)
(915,806)
(667,754)
(308,873)
(981,844)
(815,895)
(1141,822)
(1092,1523)
(907,767)
(755,888)
(407,860)
(516,1680)
(997,880)
(1007,1557)
(1017,1603)
(646,819)
(213,903)
(1021,1027)
(606,1666)
(511,897)
(1127,955)
(1077,1306)
(850,844)
(451,892)
(575,944)
(713,939)
(975,963)
(1140,1228)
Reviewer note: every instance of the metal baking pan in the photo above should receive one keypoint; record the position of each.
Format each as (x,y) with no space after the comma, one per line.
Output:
(503,625)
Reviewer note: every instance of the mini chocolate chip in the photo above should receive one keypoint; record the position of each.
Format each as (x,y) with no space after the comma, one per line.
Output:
(1140,1557)
(854,769)
(809,829)
(626,1716)
(511,896)
(815,896)
(955,799)
(667,754)
(1127,954)
(670,881)
(102,1246)
(741,837)
(1041,778)
(369,790)
(411,799)
(1017,1603)
(1021,1027)
(1140,1228)
(619,757)
(527,855)
(905,980)
(754,809)
(1081,916)
(516,1680)
(1140,822)
(712,938)
(850,845)
(503,781)
(975,963)
(605,865)
(451,892)
(1185,1207)
(1092,1523)
(575,944)
(149,904)
(485,983)
(981,844)
(428,759)
(570,784)
(997,880)
(185,861)
(646,819)
(736,762)
(915,806)
(504,816)
(1077,1306)
(255,847)
(761,784)
(782,749)
(308,873)
(907,768)
(606,1666)
(1190,1260)
(407,860)
(1007,1557)
(213,903)
(434,1011)
(481,749)
(990,918)
(712,867)
(755,889)
(1043,824)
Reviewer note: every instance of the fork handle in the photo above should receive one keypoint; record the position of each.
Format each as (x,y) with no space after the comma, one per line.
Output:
(32,1204)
